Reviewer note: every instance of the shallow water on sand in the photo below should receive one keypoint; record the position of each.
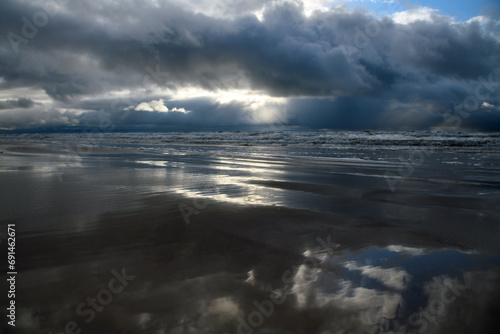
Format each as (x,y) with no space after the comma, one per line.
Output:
(198,238)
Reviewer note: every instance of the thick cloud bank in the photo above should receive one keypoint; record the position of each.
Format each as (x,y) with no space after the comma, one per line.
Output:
(67,63)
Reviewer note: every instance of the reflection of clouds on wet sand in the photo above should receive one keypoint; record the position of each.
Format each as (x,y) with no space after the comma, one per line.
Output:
(327,287)
(406,250)
(198,305)
(385,304)
(387,267)
(458,304)
(207,277)
(363,291)
(391,278)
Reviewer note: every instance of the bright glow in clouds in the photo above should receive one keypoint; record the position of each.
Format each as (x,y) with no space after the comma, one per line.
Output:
(312,5)
(416,14)
(36,94)
(223,8)
(262,108)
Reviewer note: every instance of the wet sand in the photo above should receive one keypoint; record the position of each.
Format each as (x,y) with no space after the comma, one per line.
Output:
(251,240)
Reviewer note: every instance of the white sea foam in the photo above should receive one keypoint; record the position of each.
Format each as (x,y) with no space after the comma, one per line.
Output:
(366,140)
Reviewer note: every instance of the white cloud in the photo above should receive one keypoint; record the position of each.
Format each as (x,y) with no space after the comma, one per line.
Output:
(181,110)
(488,107)
(406,250)
(158,106)
(416,14)
(144,106)
(312,5)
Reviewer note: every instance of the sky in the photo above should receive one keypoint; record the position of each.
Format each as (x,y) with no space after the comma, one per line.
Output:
(154,65)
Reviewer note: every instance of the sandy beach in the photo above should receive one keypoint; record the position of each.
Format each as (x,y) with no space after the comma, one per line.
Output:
(196,238)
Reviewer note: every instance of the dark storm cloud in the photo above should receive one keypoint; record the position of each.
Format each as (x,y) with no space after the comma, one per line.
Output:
(460,51)
(331,65)
(19,103)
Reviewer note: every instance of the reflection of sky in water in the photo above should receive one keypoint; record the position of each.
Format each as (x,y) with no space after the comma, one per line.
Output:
(222,179)
(372,290)
(384,284)
(239,180)
(371,286)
